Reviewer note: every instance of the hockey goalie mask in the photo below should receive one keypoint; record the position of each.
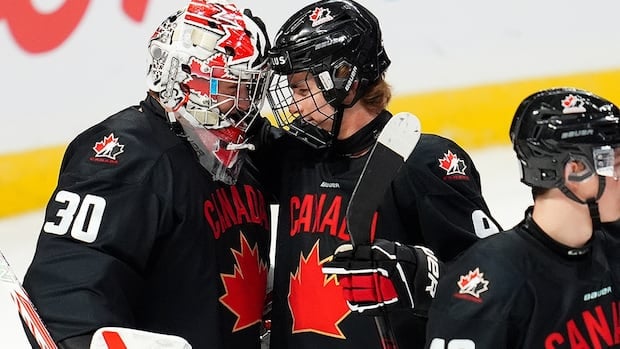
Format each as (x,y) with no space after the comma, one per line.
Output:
(207,63)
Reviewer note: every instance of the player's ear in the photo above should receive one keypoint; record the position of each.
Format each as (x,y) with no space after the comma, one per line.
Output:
(577,171)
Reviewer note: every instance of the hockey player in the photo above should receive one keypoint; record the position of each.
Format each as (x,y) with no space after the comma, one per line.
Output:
(154,225)
(546,283)
(328,91)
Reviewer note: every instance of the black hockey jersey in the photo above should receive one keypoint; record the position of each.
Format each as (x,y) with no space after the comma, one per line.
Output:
(520,289)
(138,235)
(435,200)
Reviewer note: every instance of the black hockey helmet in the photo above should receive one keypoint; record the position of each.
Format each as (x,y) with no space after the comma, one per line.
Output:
(325,39)
(327,34)
(557,125)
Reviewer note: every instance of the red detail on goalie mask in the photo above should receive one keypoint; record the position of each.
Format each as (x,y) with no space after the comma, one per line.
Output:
(232,25)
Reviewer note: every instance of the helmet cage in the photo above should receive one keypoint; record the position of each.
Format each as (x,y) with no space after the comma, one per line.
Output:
(286,106)
(223,97)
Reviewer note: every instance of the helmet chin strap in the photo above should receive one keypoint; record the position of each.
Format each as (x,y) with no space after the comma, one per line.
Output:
(337,122)
(594,214)
(341,106)
(591,202)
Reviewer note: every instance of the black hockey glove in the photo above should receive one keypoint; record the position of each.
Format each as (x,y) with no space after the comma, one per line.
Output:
(385,276)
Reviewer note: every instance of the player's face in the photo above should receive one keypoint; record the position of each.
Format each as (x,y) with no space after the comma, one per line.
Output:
(228,93)
(308,101)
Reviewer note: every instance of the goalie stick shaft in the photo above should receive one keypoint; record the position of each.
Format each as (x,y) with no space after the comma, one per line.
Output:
(25,308)
(394,145)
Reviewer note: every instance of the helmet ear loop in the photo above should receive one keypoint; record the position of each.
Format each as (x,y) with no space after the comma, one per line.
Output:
(592,202)
(581,176)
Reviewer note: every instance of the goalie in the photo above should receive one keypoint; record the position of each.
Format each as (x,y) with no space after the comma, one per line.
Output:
(158,222)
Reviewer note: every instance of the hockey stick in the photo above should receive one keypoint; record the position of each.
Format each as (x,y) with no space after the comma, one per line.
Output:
(24,305)
(394,145)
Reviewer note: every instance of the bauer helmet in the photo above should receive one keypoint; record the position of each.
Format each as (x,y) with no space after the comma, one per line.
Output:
(207,63)
(335,43)
(555,126)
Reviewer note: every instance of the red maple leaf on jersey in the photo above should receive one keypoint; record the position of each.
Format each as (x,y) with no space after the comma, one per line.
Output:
(245,288)
(316,301)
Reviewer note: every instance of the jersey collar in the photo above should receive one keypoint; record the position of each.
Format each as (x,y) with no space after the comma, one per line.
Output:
(561,249)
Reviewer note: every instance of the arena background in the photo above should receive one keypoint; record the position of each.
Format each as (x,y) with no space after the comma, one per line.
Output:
(461,66)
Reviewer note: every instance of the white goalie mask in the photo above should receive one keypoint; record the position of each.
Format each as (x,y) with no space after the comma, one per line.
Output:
(207,63)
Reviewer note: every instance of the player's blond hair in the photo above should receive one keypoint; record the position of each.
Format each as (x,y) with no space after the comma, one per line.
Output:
(377,96)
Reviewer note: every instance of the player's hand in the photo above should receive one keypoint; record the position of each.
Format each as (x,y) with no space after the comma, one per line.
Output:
(385,276)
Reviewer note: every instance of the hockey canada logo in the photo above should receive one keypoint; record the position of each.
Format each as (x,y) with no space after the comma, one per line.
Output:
(320,15)
(108,149)
(573,104)
(453,165)
(472,285)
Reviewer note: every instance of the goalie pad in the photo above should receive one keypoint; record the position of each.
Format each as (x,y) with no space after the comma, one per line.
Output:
(127,338)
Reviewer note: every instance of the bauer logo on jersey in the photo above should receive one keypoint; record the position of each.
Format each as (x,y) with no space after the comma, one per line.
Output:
(472,285)
(320,15)
(107,150)
(454,167)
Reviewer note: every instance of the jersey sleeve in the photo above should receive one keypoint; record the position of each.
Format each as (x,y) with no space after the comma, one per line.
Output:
(439,198)
(100,225)
(478,302)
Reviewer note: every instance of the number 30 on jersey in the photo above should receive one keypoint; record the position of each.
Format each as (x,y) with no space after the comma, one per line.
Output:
(83,216)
